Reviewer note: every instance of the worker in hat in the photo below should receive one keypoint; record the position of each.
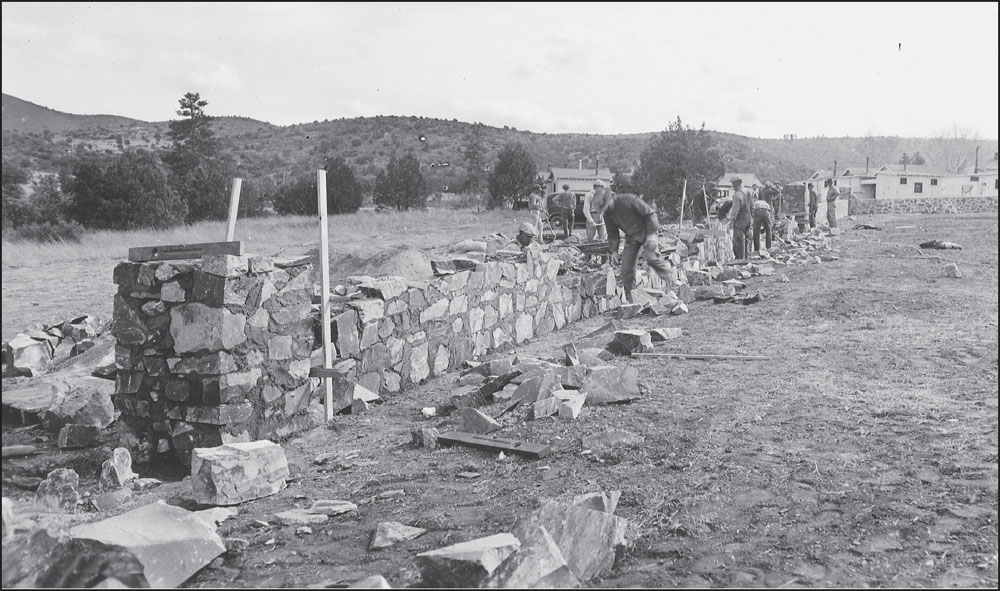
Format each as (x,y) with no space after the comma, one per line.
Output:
(593,202)
(565,204)
(526,234)
(740,218)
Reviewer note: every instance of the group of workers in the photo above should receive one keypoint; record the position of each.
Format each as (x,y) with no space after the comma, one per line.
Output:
(609,215)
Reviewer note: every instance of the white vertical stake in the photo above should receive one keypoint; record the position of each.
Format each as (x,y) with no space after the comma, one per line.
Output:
(324,267)
(684,194)
(234,206)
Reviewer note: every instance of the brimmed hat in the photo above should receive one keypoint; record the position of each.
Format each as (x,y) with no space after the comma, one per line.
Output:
(565,186)
(527,229)
(599,183)
(736,180)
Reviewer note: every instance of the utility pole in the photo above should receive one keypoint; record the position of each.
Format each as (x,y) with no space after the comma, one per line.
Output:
(975,169)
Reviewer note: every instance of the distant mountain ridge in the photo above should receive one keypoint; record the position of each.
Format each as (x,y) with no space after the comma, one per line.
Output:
(38,138)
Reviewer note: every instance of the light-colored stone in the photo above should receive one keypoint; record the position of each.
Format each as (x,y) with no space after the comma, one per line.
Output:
(116,471)
(196,327)
(544,408)
(171,543)
(237,472)
(588,540)
(569,409)
(392,532)
(59,490)
(84,401)
(657,335)
(225,265)
(475,421)
(299,517)
(538,564)
(331,507)
(28,356)
(466,564)
(607,384)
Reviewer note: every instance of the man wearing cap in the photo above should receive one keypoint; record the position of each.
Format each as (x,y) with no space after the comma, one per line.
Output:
(526,234)
(565,203)
(740,218)
(629,214)
(593,201)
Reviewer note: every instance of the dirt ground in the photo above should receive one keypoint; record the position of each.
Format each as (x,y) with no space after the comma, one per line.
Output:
(863,454)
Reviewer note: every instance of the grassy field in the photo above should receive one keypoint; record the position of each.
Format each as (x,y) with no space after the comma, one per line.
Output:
(52,282)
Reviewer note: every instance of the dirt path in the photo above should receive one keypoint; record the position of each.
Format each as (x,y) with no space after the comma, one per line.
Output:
(864,454)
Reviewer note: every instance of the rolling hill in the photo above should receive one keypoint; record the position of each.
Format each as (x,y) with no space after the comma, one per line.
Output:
(37,138)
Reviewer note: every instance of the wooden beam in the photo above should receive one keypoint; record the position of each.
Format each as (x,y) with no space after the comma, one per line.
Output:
(324,269)
(524,448)
(234,206)
(169,252)
(323,372)
(703,357)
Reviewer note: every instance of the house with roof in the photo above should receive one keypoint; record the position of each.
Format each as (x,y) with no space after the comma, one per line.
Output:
(898,181)
(724,186)
(580,180)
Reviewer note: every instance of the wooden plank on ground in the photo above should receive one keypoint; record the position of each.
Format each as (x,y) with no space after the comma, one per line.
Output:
(524,448)
(169,252)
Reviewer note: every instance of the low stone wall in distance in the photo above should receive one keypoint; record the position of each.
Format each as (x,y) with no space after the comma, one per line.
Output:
(927,205)
(211,352)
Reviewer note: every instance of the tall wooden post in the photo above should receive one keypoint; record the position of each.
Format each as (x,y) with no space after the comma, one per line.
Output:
(234,206)
(324,267)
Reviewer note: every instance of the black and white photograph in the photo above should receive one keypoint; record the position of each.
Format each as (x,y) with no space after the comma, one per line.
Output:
(500,295)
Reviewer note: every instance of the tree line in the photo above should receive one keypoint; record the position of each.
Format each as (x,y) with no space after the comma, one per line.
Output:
(190,181)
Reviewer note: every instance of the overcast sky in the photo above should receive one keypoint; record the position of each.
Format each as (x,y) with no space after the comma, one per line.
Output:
(762,70)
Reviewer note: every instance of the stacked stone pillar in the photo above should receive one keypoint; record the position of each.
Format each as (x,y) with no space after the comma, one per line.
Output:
(212,352)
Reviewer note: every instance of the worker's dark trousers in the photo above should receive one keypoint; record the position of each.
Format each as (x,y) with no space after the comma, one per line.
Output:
(761,223)
(812,216)
(741,235)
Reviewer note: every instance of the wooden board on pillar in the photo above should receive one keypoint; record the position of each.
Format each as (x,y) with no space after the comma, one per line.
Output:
(169,252)
(513,446)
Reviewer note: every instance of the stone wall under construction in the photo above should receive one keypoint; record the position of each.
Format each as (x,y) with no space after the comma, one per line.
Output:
(220,350)
(211,352)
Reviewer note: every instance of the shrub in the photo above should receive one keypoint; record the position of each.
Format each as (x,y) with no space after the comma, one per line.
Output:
(61,231)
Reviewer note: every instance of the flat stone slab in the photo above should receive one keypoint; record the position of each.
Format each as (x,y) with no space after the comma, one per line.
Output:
(466,564)
(332,507)
(299,517)
(171,543)
(392,532)
(608,384)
